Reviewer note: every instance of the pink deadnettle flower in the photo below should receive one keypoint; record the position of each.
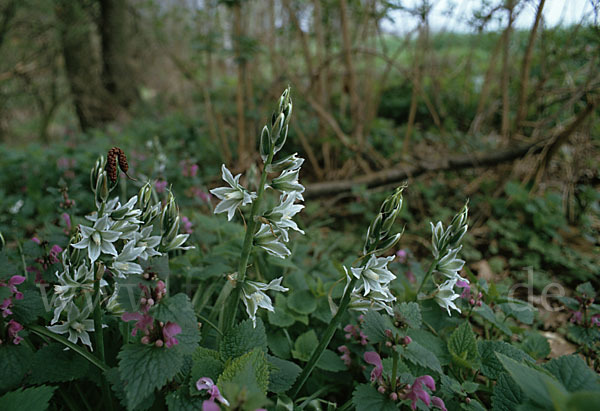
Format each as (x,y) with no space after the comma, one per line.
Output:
(417,392)
(54,251)
(466,292)
(371,357)
(5,307)
(13,331)
(170,330)
(402,256)
(143,322)
(160,186)
(345,355)
(67,219)
(187,225)
(207,384)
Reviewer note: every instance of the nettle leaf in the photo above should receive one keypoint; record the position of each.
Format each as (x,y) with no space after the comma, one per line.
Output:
(573,373)
(179,401)
(282,374)
(158,265)
(179,309)
(486,312)
(583,401)
(536,345)
(519,310)
(280,317)
(417,354)
(29,308)
(130,292)
(303,302)
(30,399)
(8,269)
(535,384)
(118,387)
(144,368)
(490,365)
(375,325)
(366,398)
(16,361)
(304,346)
(242,339)
(279,344)
(249,372)
(463,346)
(586,289)
(409,314)
(433,343)
(205,363)
(507,394)
(330,361)
(53,363)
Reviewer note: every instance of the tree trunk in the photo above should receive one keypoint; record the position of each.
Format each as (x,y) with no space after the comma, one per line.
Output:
(117,75)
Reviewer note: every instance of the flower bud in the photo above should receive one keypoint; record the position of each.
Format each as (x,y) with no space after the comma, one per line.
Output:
(406,340)
(145,339)
(2,243)
(265,143)
(393,396)
(381,389)
(159,343)
(98,167)
(144,197)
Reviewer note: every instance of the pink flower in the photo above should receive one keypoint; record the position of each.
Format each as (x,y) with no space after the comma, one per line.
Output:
(418,393)
(577,317)
(187,225)
(54,251)
(67,219)
(170,330)
(5,307)
(36,240)
(207,384)
(596,320)
(12,285)
(160,186)
(143,321)
(410,277)
(466,292)
(13,331)
(371,357)
(345,355)
(437,402)
(402,255)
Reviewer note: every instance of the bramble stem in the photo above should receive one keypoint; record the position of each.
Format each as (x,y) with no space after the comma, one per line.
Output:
(233,302)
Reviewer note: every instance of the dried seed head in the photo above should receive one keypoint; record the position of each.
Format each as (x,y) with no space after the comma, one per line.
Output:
(115,154)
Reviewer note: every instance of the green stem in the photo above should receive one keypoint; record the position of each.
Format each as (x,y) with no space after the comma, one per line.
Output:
(43,332)
(99,334)
(394,369)
(327,336)
(427,275)
(231,309)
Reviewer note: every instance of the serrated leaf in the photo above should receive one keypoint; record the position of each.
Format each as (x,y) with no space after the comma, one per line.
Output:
(117,385)
(16,361)
(409,314)
(330,361)
(583,401)
(29,308)
(179,401)
(304,346)
(303,302)
(250,371)
(179,309)
(507,394)
(519,310)
(280,316)
(205,363)
(535,384)
(462,345)
(242,339)
(536,345)
(366,398)
(8,269)
(490,365)
(417,354)
(282,374)
(573,373)
(145,368)
(374,326)
(53,363)
(30,399)
(279,344)
(486,312)
(433,343)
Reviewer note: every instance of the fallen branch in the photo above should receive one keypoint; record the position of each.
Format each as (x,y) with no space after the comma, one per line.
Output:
(397,175)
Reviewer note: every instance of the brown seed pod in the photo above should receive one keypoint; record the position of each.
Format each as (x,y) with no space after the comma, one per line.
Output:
(111,163)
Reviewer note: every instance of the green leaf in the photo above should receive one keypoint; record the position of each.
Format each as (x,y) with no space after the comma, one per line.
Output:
(304,346)
(179,309)
(130,292)
(573,373)
(535,384)
(281,317)
(282,374)
(16,361)
(144,368)
(520,310)
(463,346)
(30,399)
(375,325)
(303,302)
(409,314)
(249,372)
(536,345)
(242,339)
(583,401)
(490,365)
(179,401)
(53,363)
(205,363)
(29,308)
(433,343)
(417,354)
(366,398)
(330,361)
(586,290)
(279,344)
(486,312)
(507,394)
(8,269)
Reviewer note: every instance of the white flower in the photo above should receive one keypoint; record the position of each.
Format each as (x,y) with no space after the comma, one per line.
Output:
(253,295)
(266,239)
(450,265)
(374,299)
(281,216)
(288,182)
(445,295)
(72,285)
(124,263)
(375,275)
(148,242)
(98,239)
(77,325)
(232,197)
(291,162)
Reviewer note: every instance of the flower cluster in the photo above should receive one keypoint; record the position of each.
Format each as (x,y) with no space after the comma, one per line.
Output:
(13,327)
(120,240)
(254,296)
(207,384)
(446,245)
